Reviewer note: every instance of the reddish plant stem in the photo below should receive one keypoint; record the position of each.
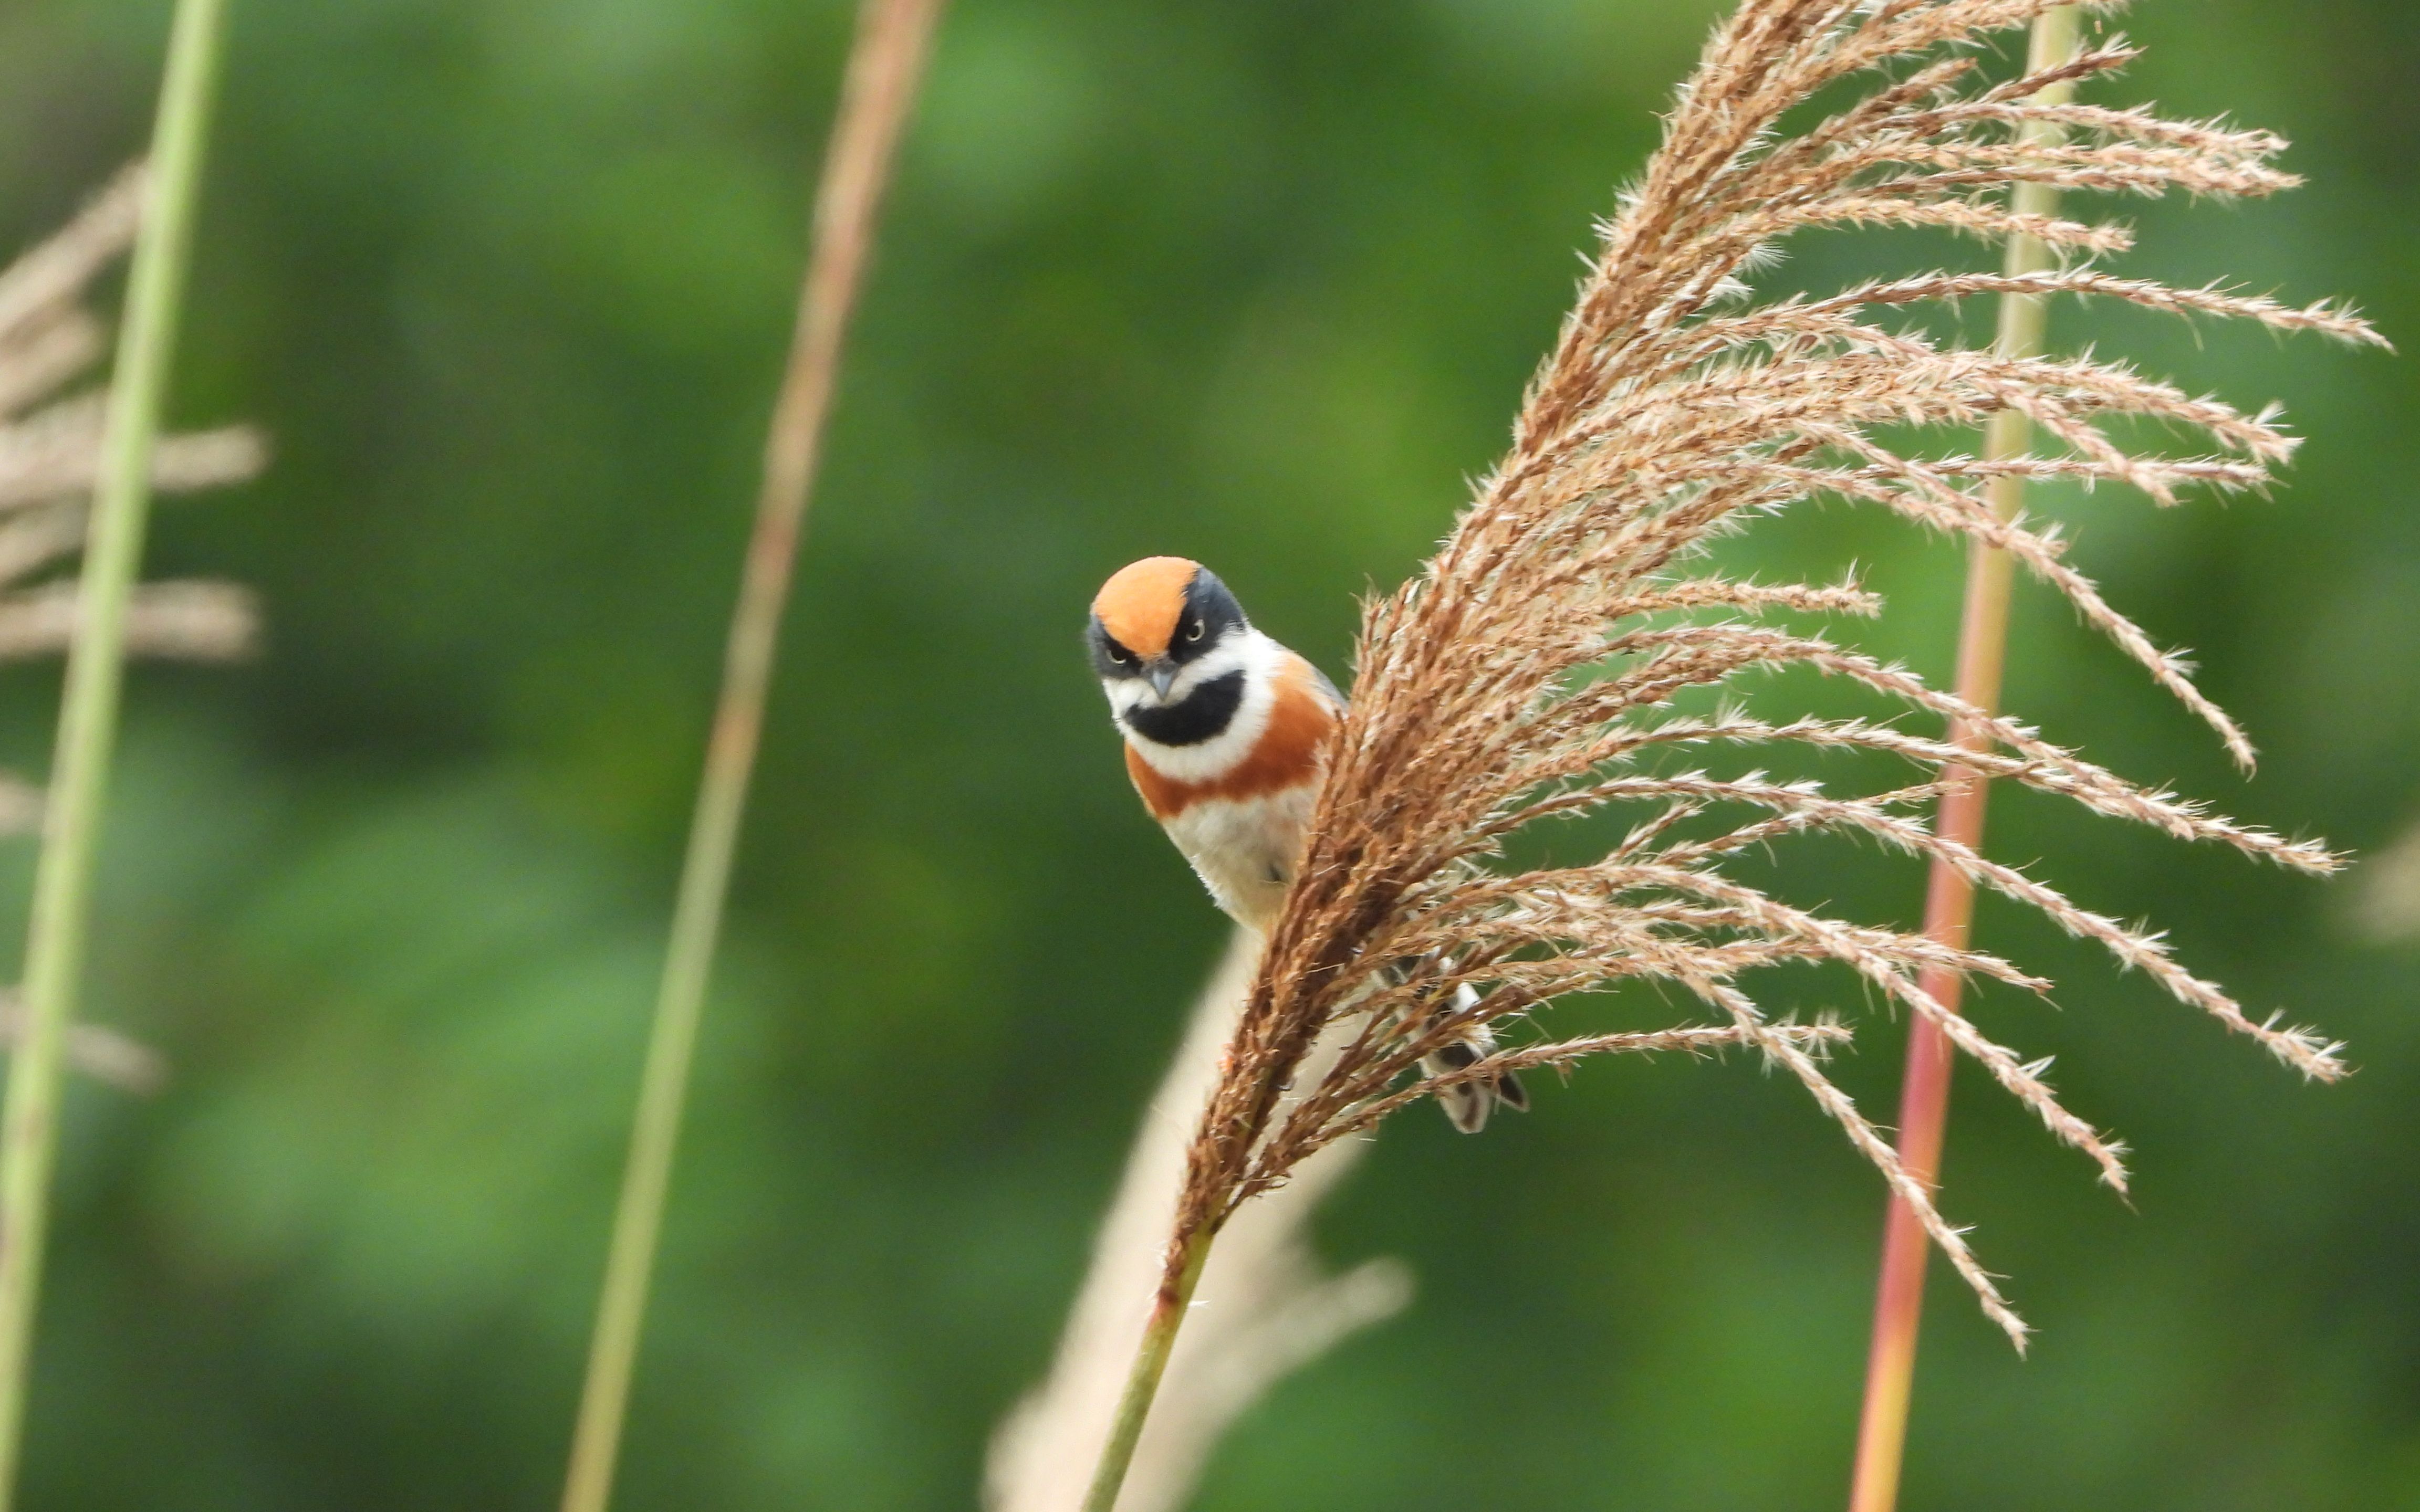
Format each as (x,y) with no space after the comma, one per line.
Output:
(1924,1093)
(885,66)
(1949,898)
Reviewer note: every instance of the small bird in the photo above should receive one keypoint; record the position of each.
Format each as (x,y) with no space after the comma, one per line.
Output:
(1227,735)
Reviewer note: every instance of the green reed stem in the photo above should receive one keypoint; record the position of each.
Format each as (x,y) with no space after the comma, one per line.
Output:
(1949,898)
(886,62)
(62,909)
(1142,1382)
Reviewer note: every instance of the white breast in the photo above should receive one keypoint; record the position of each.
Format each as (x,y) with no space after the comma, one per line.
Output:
(1245,849)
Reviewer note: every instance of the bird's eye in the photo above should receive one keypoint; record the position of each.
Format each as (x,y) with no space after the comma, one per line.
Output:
(1194,631)
(1119,656)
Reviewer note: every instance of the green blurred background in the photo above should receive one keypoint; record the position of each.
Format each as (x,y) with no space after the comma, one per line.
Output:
(1252,282)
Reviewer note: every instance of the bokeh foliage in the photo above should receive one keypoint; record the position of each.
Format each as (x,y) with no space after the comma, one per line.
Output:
(1256,282)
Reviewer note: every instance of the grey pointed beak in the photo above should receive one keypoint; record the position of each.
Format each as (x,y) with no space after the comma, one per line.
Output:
(1162,676)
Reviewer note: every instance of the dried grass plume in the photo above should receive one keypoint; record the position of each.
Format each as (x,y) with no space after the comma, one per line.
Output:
(1267,1305)
(49,458)
(1529,672)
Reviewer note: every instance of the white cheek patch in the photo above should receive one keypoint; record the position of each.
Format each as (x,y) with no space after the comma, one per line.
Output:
(1234,653)
(1125,693)
(1254,655)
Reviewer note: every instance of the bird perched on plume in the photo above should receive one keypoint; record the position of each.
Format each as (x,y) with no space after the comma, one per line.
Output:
(1227,735)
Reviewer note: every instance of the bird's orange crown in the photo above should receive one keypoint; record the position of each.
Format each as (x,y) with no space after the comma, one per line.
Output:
(1140,604)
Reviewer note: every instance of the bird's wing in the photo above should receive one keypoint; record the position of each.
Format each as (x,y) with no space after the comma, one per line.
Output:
(1319,681)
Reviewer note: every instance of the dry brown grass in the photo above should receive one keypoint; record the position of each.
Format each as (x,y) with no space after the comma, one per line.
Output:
(49,453)
(1529,672)
(49,460)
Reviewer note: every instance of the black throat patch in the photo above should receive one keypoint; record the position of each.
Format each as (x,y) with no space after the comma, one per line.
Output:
(1200,714)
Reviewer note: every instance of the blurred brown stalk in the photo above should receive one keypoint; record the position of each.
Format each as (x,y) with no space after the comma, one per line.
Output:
(885,66)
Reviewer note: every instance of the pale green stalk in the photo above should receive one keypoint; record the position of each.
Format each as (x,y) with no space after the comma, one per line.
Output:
(54,948)
(885,64)
(1949,901)
(1143,1383)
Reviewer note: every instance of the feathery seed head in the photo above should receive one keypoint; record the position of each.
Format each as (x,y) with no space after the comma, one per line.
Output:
(49,460)
(1530,670)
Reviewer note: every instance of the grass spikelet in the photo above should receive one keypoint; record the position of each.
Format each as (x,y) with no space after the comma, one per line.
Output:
(50,436)
(50,449)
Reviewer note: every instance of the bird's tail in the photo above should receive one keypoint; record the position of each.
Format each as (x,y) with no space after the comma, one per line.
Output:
(1468,1103)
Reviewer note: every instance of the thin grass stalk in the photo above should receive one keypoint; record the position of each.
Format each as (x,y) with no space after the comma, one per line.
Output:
(62,904)
(1950,897)
(1151,1364)
(885,66)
